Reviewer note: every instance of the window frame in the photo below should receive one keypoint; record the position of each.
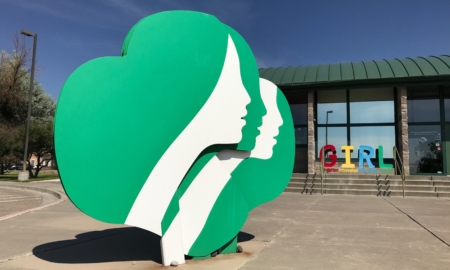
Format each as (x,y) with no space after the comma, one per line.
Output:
(349,125)
(442,122)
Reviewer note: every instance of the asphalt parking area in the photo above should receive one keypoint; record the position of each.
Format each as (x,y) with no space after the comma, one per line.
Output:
(17,200)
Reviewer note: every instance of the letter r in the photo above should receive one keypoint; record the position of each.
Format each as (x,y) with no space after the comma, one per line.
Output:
(363,156)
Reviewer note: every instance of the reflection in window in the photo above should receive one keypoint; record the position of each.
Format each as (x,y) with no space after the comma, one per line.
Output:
(299,113)
(372,112)
(301,135)
(336,136)
(447,102)
(425,149)
(423,110)
(372,105)
(423,104)
(336,112)
(332,103)
(373,136)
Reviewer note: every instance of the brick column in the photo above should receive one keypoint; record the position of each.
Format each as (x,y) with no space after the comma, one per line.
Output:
(402,124)
(311,141)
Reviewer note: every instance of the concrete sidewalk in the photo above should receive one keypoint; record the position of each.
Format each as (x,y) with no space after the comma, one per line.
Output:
(293,232)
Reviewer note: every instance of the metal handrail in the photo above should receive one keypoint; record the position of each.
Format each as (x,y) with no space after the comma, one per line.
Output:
(322,169)
(398,164)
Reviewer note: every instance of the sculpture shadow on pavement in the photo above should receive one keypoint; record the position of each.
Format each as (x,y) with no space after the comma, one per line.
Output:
(111,245)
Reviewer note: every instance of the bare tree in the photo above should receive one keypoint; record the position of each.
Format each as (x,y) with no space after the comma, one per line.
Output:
(14,86)
(13,75)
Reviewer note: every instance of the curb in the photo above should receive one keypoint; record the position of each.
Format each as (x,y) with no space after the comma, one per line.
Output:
(51,192)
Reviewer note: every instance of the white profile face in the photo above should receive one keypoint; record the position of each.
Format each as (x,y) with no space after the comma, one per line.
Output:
(223,112)
(270,122)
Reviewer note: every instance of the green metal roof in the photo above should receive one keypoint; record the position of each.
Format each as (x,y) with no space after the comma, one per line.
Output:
(395,70)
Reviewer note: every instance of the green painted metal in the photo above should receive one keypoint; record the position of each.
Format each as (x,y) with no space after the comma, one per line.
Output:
(97,114)
(124,104)
(359,70)
(397,68)
(385,69)
(322,73)
(372,70)
(381,70)
(278,75)
(439,65)
(347,71)
(411,67)
(299,74)
(425,66)
(335,72)
(230,247)
(311,74)
(445,59)
(245,191)
(269,73)
(288,75)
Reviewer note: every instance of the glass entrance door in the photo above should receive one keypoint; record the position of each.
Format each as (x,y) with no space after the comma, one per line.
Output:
(446,145)
(425,149)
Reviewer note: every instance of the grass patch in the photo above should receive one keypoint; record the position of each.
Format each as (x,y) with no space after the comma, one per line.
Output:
(43,175)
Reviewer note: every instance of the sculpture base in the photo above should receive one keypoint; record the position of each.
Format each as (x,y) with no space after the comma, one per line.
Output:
(230,247)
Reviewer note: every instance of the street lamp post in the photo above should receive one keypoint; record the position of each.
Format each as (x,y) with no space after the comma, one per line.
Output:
(326,130)
(24,175)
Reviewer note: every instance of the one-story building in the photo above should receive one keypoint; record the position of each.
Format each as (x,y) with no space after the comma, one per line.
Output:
(402,103)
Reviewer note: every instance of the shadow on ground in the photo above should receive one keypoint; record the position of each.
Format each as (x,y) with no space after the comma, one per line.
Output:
(112,245)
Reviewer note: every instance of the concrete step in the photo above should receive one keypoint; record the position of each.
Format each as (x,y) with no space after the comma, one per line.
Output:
(365,182)
(336,181)
(316,190)
(418,183)
(443,194)
(440,177)
(371,186)
(441,183)
(442,189)
(372,176)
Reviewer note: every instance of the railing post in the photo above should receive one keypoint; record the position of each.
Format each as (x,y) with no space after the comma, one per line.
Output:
(401,167)
(403,179)
(322,165)
(394,150)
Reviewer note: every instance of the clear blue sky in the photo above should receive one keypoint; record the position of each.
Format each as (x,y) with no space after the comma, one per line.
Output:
(281,33)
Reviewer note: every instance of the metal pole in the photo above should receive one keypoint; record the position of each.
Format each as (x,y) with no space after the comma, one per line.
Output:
(326,131)
(27,127)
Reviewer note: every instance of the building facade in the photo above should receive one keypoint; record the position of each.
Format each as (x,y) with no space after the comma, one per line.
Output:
(354,114)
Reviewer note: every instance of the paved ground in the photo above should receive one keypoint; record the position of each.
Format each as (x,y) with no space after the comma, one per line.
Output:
(14,200)
(293,232)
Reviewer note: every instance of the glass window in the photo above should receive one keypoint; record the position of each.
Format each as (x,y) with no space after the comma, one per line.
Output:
(301,135)
(299,113)
(331,107)
(372,112)
(373,136)
(423,104)
(372,105)
(336,136)
(447,102)
(424,144)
